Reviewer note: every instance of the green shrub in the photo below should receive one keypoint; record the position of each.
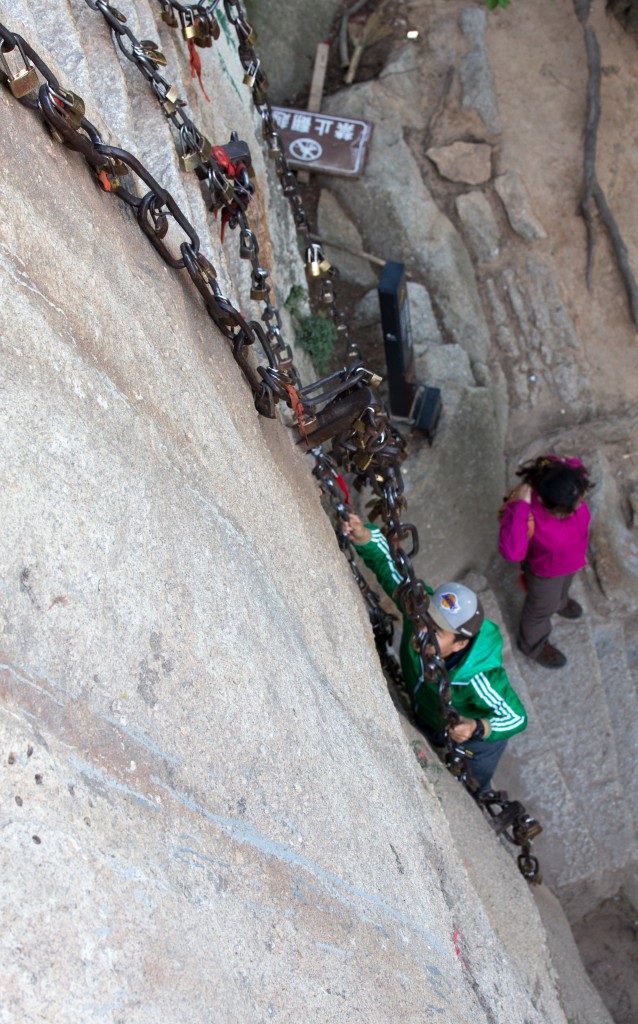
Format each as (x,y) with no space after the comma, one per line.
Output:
(315,334)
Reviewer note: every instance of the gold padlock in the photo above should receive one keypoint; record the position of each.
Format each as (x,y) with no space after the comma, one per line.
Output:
(251,73)
(72,106)
(205,149)
(172,100)
(189,161)
(150,50)
(362,460)
(23,81)
(249,34)
(227,189)
(189,31)
(118,167)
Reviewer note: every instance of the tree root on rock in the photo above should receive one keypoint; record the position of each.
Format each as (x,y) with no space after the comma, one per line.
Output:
(593,190)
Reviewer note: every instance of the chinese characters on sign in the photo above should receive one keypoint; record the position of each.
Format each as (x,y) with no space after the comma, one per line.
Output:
(321,142)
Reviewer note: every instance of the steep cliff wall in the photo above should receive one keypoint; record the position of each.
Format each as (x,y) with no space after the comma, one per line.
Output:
(210,811)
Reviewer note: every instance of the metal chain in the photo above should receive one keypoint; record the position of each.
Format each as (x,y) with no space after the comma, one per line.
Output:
(319,270)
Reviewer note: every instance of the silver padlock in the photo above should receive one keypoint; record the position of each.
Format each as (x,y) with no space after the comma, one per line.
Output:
(273,143)
(23,81)
(247,244)
(313,262)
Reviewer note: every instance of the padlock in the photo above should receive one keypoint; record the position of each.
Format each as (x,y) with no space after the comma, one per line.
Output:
(314,259)
(289,184)
(362,460)
(204,149)
(168,16)
(117,168)
(228,192)
(150,51)
(172,100)
(116,14)
(251,73)
(207,30)
(274,145)
(247,244)
(72,106)
(206,267)
(248,34)
(260,289)
(189,161)
(23,81)
(260,90)
(189,27)
(327,293)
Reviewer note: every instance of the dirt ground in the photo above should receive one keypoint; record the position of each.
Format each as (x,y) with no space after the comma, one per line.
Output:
(538,58)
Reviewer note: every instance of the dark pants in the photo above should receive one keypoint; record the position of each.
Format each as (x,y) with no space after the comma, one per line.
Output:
(546,595)
(485,756)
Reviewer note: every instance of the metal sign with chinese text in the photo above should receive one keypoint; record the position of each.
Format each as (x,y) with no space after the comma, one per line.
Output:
(321,142)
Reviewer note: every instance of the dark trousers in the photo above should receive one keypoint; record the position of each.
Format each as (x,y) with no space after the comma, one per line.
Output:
(545,596)
(484,758)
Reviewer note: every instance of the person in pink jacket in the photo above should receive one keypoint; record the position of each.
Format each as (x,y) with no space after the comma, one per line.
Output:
(545,525)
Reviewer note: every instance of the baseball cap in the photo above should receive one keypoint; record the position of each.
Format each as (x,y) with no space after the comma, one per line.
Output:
(455,607)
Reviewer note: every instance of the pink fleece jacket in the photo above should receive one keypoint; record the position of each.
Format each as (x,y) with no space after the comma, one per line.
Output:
(557,547)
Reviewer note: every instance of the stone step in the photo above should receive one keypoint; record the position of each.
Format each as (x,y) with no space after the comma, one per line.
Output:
(552,767)
(619,683)
(530,772)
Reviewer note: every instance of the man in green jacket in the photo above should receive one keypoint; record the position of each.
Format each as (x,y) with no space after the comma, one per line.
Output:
(471,647)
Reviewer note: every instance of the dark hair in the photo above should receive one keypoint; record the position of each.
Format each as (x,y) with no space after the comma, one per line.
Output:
(558,485)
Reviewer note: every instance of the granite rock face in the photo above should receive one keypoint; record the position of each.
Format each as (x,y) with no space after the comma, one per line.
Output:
(210,811)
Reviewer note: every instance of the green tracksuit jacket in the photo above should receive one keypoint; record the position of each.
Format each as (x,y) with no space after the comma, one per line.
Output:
(480,687)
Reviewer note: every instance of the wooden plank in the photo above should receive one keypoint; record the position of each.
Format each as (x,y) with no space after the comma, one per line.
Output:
(318,76)
(316,91)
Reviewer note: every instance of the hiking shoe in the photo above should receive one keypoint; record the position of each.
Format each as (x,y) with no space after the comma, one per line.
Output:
(550,657)
(572,610)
